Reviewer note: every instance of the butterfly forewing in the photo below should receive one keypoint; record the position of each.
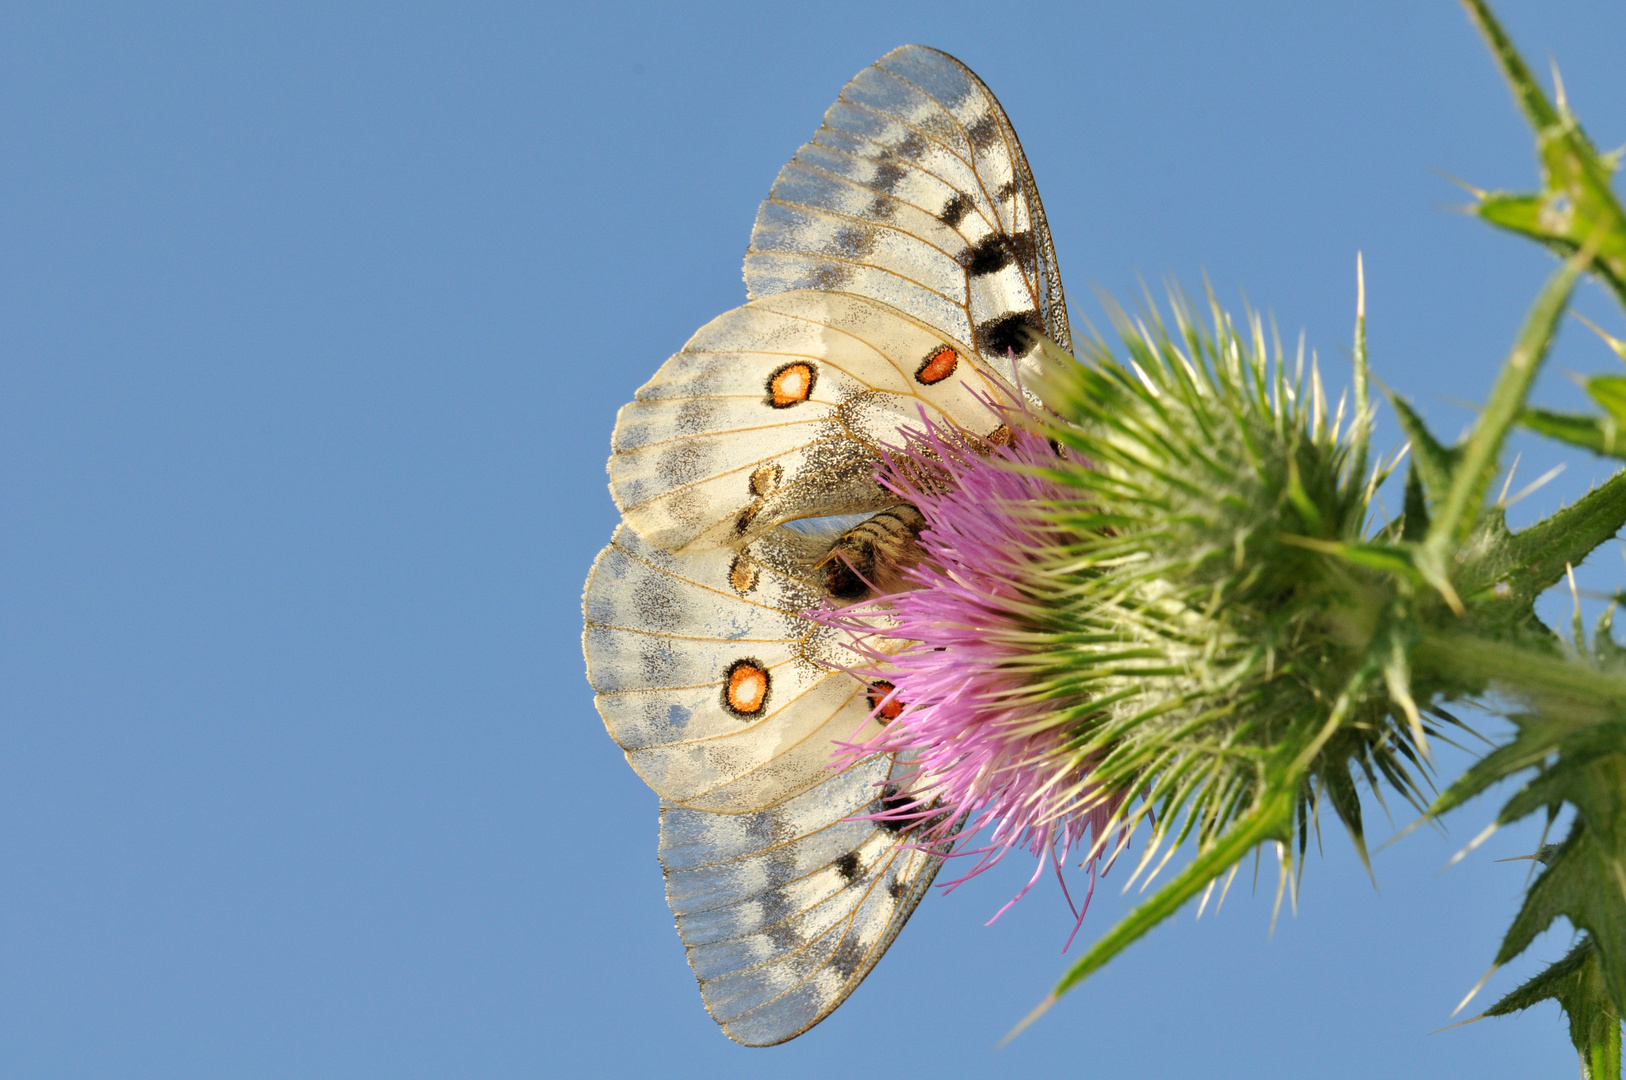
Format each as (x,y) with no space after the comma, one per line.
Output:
(916,192)
(777,410)
(785,911)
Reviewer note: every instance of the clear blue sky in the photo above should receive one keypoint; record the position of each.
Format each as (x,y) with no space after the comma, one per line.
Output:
(313,324)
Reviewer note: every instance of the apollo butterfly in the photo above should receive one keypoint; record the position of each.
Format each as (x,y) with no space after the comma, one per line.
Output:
(898,269)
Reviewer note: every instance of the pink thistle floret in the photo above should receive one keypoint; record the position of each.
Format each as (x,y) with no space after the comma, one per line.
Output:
(989,755)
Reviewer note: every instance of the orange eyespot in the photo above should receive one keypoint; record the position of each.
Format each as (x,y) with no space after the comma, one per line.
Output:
(877,694)
(790,384)
(745,690)
(937,367)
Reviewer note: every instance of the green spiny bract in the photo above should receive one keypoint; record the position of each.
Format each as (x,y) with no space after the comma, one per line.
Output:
(1199,622)
(1218,654)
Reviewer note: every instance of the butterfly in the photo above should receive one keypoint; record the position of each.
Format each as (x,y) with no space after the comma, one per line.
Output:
(898,269)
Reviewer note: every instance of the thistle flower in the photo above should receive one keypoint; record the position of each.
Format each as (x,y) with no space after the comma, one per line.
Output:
(1133,611)
(958,702)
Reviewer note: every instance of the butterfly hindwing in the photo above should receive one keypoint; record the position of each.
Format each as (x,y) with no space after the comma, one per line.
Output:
(724,697)
(784,911)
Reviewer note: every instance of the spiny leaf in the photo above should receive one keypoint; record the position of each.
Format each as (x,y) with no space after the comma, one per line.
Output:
(1598,434)
(1432,462)
(1533,560)
(1414,519)
(1610,392)
(1576,983)
(1586,884)
(1575,206)
(1574,735)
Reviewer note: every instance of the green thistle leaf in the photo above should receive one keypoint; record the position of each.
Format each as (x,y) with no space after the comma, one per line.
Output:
(1610,392)
(1599,434)
(1586,880)
(1575,207)
(1576,983)
(1573,732)
(1433,463)
(1502,573)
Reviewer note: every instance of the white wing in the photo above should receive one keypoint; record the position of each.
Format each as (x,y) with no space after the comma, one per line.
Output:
(915,191)
(785,911)
(776,411)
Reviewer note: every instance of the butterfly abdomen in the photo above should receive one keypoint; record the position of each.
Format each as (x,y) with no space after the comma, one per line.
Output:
(872,556)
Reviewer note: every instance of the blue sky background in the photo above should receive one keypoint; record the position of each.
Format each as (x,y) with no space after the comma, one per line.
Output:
(313,324)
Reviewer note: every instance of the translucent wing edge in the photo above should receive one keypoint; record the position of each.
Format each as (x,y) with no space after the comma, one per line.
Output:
(906,909)
(1055,315)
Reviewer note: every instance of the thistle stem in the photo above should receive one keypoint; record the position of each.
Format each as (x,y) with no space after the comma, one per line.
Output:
(1600,1060)
(1471,479)
(1534,103)
(1516,668)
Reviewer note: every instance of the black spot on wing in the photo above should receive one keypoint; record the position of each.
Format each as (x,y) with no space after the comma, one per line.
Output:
(881,208)
(855,243)
(990,255)
(1025,248)
(1006,190)
(997,251)
(892,800)
(911,146)
(848,957)
(984,132)
(888,174)
(1014,332)
(848,866)
(955,210)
